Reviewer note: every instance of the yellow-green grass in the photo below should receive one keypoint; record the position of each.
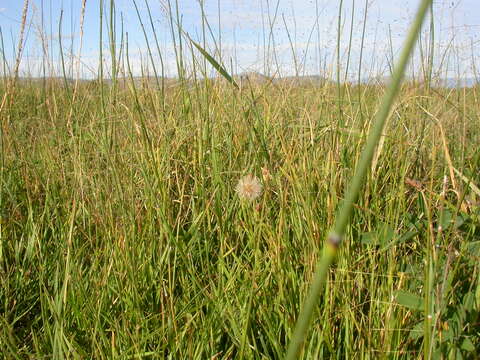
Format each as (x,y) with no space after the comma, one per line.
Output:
(122,234)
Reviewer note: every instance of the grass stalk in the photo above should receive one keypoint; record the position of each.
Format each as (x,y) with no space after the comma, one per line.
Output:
(338,71)
(335,237)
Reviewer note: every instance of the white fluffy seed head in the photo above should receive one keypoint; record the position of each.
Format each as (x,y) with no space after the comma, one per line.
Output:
(249,187)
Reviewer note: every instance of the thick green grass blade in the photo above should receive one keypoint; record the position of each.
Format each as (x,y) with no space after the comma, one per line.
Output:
(335,237)
(215,64)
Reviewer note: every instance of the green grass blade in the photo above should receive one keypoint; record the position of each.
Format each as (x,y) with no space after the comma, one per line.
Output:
(215,64)
(334,239)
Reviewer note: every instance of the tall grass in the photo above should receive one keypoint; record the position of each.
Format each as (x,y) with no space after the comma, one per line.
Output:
(335,237)
(122,236)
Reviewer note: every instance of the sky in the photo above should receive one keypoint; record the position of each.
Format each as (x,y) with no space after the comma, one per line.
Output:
(273,37)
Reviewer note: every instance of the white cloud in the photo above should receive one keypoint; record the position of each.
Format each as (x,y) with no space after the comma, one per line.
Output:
(245,31)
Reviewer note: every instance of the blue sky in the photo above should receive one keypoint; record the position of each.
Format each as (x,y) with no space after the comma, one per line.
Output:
(282,37)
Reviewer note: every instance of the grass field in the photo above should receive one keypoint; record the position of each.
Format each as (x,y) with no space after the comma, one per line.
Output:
(123,234)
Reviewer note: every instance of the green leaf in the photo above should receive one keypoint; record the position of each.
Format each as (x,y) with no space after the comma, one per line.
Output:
(455,353)
(467,345)
(446,220)
(473,248)
(383,236)
(417,331)
(407,236)
(408,300)
(469,301)
(437,355)
(399,240)
(215,64)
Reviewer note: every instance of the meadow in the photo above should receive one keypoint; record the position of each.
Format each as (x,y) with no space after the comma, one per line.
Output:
(123,234)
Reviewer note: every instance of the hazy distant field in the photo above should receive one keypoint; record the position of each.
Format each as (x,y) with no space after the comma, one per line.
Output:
(125,232)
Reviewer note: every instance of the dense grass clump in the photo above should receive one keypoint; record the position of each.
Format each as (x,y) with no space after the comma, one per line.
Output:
(122,234)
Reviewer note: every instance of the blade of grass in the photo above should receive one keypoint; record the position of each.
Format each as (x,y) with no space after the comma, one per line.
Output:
(215,64)
(469,182)
(335,238)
